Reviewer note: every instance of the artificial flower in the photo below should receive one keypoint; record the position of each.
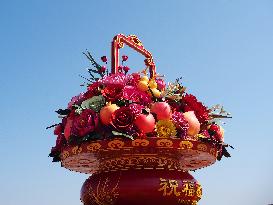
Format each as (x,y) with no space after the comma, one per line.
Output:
(165,128)
(58,129)
(124,58)
(180,123)
(122,119)
(76,100)
(104,59)
(112,92)
(135,95)
(136,108)
(85,123)
(161,85)
(126,69)
(216,132)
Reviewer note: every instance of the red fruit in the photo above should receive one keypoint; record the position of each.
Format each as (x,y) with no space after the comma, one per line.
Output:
(106,113)
(162,110)
(145,123)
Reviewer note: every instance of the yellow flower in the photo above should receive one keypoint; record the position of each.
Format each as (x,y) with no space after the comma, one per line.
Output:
(165,128)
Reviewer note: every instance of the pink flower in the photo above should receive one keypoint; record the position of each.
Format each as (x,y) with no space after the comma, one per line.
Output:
(180,123)
(135,95)
(161,85)
(114,79)
(76,100)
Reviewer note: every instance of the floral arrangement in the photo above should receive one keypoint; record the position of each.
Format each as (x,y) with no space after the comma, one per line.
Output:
(135,106)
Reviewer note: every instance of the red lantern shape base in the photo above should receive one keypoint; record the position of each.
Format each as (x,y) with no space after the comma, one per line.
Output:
(142,171)
(146,187)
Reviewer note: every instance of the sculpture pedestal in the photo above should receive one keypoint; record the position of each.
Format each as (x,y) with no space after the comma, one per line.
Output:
(142,171)
(145,187)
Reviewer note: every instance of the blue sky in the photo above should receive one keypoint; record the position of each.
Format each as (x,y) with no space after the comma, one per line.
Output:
(222,49)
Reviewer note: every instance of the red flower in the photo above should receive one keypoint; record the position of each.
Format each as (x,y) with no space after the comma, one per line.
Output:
(180,123)
(112,92)
(205,133)
(92,90)
(192,104)
(120,68)
(122,119)
(215,132)
(85,123)
(126,69)
(58,129)
(60,141)
(104,59)
(124,58)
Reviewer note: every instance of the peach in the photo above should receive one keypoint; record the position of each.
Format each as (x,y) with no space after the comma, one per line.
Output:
(106,113)
(162,110)
(194,124)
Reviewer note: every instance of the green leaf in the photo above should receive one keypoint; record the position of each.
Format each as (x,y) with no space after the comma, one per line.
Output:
(95,103)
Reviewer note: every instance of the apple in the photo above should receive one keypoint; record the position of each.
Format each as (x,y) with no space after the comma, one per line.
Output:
(194,124)
(145,123)
(106,113)
(162,110)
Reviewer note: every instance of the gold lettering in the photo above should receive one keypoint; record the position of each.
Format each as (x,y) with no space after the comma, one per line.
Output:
(188,189)
(169,187)
(199,191)
(165,186)
(173,186)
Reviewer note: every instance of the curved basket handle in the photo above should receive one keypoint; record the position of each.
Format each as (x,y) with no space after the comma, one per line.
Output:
(133,42)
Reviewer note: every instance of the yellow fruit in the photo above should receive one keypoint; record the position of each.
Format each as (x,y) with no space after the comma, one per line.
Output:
(142,85)
(152,84)
(156,92)
(144,78)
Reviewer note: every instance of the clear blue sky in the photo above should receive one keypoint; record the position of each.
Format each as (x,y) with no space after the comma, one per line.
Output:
(222,48)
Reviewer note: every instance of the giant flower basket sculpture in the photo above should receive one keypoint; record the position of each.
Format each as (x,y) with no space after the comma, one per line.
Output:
(137,137)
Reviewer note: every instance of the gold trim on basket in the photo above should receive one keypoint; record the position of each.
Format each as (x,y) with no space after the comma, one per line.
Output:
(164,143)
(185,145)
